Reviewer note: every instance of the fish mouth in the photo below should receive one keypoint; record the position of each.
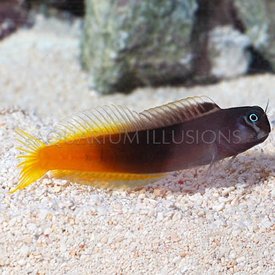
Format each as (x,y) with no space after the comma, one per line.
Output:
(262,135)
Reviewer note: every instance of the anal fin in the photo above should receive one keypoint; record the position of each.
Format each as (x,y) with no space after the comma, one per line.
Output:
(107,180)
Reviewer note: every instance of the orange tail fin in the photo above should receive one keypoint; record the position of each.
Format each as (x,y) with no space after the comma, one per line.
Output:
(31,169)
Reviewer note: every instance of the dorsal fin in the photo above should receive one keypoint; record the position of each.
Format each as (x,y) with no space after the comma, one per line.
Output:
(180,111)
(100,121)
(117,119)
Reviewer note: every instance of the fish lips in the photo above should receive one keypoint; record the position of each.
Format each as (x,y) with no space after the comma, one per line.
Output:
(261,136)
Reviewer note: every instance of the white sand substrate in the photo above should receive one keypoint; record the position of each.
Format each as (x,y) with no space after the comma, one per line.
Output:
(218,222)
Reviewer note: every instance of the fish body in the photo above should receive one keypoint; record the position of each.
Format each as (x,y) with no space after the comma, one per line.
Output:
(114,143)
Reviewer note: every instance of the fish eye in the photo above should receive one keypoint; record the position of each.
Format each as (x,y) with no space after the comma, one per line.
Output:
(253,117)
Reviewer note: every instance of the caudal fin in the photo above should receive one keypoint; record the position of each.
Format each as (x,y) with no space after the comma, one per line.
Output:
(31,169)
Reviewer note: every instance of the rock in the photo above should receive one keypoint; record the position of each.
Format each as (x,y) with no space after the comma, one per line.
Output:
(12,15)
(72,6)
(215,20)
(254,15)
(136,43)
(259,21)
(128,44)
(75,7)
(228,52)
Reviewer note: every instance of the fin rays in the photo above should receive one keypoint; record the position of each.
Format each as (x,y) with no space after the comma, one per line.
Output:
(30,167)
(107,180)
(116,119)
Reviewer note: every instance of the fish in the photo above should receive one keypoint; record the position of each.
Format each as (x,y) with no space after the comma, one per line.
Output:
(113,146)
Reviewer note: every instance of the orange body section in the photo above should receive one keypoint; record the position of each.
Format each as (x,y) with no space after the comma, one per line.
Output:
(74,156)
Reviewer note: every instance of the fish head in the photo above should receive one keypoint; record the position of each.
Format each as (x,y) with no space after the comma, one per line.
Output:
(252,125)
